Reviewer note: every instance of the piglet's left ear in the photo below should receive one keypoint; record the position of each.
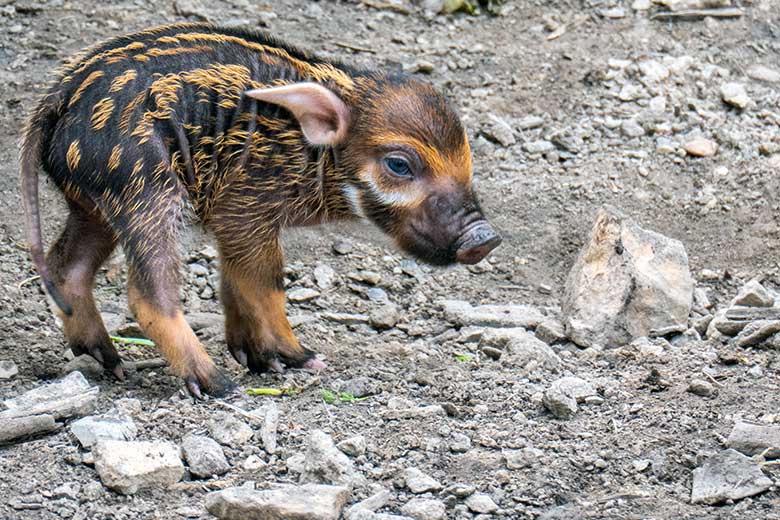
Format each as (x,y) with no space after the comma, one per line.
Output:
(323,116)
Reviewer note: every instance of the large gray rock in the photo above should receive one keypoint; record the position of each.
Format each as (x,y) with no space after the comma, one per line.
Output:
(204,456)
(324,463)
(127,466)
(307,502)
(70,396)
(463,314)
(729,475)
(626,283)
(89,429)
(755,439)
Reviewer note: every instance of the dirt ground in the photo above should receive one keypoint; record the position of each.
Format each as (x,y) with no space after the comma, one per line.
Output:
(583,85)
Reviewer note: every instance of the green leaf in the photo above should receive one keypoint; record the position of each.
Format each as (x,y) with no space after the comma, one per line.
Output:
(133,341)
(328,396)
(265,391)
(346,397)
(463,358)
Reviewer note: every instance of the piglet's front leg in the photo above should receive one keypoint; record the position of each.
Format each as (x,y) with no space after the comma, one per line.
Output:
(256,327)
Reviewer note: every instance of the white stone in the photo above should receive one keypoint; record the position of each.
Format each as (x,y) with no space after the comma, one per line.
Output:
(735,94)
(464,314)
(418,482)
(728,475)
(481,503)
(127,466)
(425,509)
(626,283)
(89,429)
(285,502)
(204,456)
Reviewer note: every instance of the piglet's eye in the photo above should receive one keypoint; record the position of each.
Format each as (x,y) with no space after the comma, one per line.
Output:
(398,166)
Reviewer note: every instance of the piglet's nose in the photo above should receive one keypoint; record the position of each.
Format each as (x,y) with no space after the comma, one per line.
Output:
(476,243)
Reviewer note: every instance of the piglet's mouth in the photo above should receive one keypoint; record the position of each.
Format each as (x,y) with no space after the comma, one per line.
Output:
(476,242)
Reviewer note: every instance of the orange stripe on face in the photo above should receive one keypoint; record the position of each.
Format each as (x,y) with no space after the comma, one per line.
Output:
(455,165)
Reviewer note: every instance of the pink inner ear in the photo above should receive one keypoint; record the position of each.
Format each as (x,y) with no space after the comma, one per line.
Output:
(323,116)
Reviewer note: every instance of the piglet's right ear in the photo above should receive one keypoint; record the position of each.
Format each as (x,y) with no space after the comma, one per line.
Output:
(323,116)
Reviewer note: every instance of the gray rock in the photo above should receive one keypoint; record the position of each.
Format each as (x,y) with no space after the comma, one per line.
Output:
(551,331)
(499,131)
(353,446)
(460,443)
(522,458)
(8,369)
(204,320)
(228,430)
(113,320)
(204,456)
(384,317)
(701,387)
(324,276)
(560,404)
(89,429)
(418,412)
(268,432)
(631,128)
(198,269)
(302,294)
(762,73)
(16,427)
(376,501)
(128,466)
(728,475)
(326,464)
(85,364)
(529,122)
(362,514)
(538,147)
(425,509)
(522,348)
(342,247)
(481,503)
(755,439)
(284,502)
(378,295)
(562,396)
(461,313)
(345,318)
(701,147)
(626,283)
(753,294)
(418,482)
(71,396)
(735,94)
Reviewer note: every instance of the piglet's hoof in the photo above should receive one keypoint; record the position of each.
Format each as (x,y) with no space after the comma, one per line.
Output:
(216,384)
(314,364)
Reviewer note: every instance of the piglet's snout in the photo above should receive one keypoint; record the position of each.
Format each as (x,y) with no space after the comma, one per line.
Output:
(476,243)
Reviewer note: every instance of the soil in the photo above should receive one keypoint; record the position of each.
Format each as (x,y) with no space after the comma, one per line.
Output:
(724,208)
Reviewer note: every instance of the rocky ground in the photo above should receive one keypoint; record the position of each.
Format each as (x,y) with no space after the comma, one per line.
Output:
(429,408)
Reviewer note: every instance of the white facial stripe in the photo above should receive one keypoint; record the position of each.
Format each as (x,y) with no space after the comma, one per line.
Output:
(391,199)
(351,194)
